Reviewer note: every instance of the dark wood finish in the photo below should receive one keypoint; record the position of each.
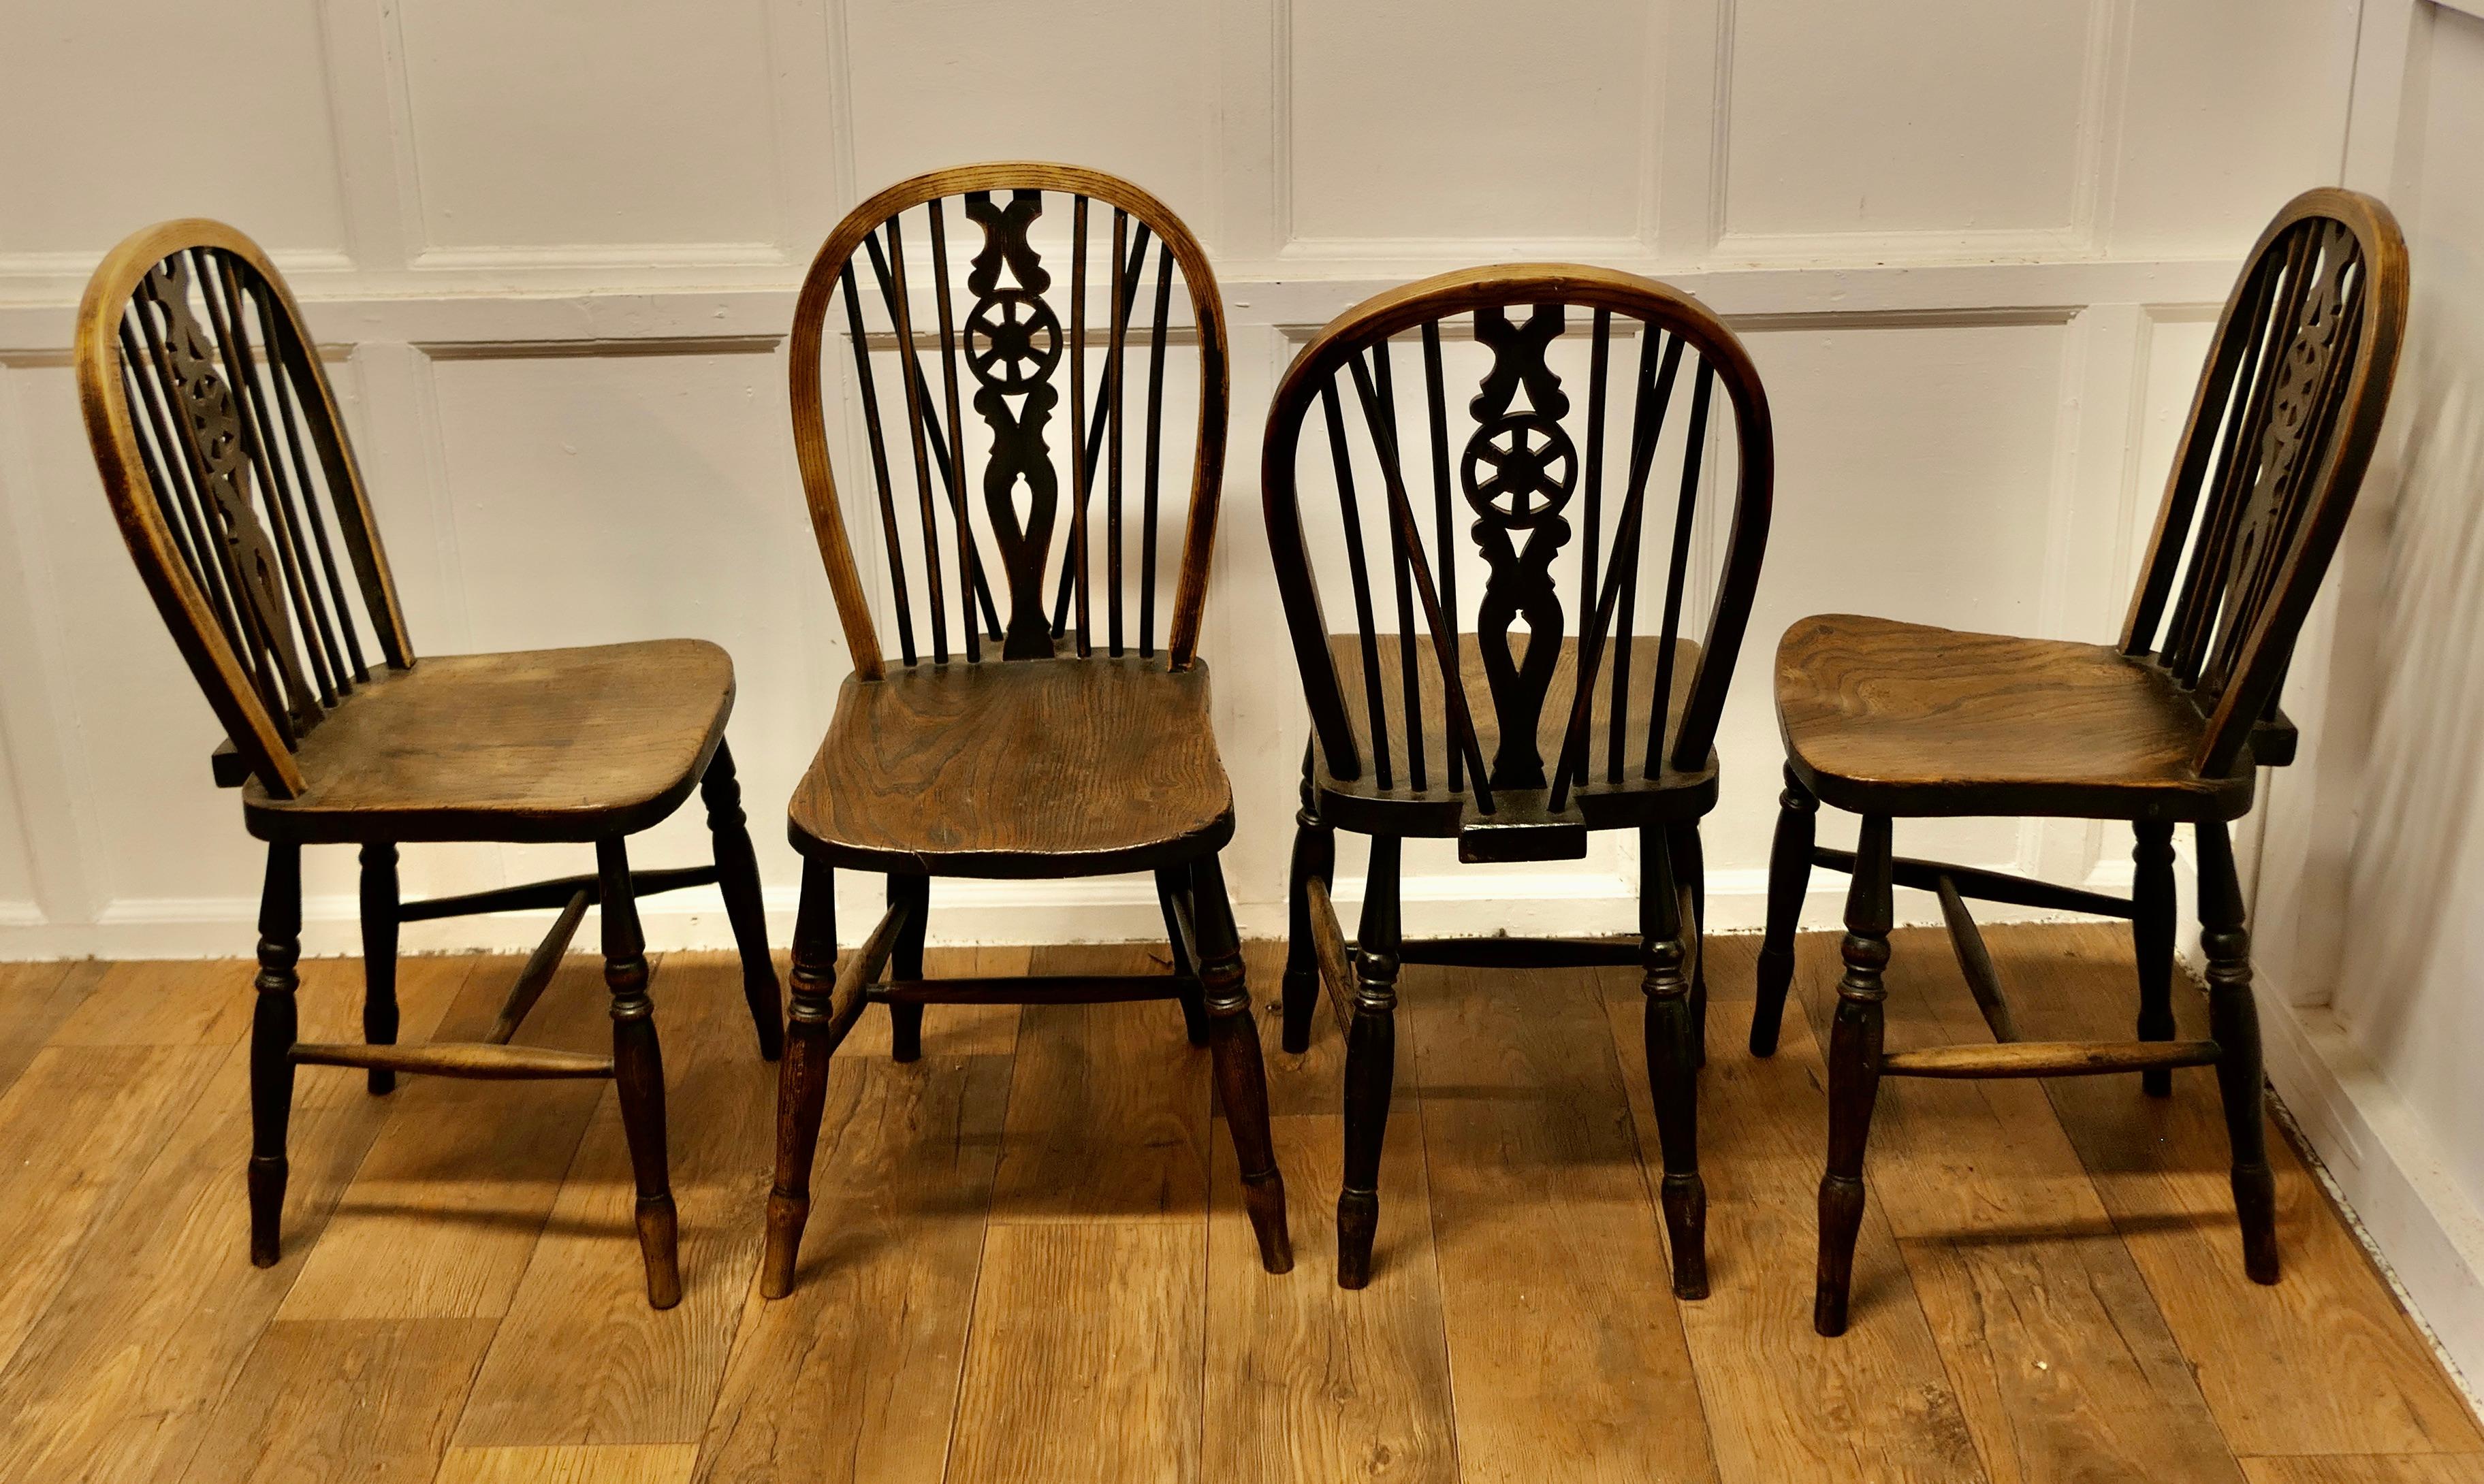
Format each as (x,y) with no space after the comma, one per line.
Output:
(538,895)
(1549,715)
(540,966)
(228,468)
(1370,1065)
(2168,725)
(1079,749)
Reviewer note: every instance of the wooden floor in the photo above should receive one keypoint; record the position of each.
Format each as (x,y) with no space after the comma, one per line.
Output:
(1027,1259)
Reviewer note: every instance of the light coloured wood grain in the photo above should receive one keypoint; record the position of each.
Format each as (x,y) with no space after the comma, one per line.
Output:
(852,1377)
(653,1463)
(2321,1362)
(164,1003)
(1108,1112)
(364,1399)
(1565,1343)
(2061,1362)
(444,1216)
(1783,1403)
(1306,1380)
(34,999)
(1085,1360)
(2368,1469)
(630,1374)
(119,1375)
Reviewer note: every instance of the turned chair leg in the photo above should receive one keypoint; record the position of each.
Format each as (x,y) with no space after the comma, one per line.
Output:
(638,1069)
(1853,1072)
(1789,877)
(272,1030)
(1691,870)
(2234,1021)
(1370,1065)
(1673,1062)
(2151,941)
(1315,859)
(1241,1080)
(802,1077)
(905,1021)
(1169,883)
(379,956)
(736,877)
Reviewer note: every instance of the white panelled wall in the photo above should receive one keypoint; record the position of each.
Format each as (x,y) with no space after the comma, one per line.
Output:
(1974,249)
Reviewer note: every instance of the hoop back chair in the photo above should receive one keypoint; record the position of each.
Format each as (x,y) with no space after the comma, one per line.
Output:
(1447,728)
(2166,727)
(228,466)
(1031,725)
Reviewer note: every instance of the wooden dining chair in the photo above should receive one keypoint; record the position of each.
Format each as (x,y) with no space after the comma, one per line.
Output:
(1019,732)
(228,469)
(1446,728)
(1892,720)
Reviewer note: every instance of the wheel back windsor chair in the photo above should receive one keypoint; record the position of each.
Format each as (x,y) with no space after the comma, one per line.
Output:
(1031,725)
(1459,726)
(228,468)
(2166,727)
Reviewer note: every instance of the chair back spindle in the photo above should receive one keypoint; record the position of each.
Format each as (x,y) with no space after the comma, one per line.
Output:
(1023,568)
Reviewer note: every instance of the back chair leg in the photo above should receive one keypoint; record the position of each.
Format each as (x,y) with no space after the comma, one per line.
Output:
(802,1078)
(638,1069)
(905,1021)
(1691,870)
(1370,1065)
(1853,1072)
(2234,1021)
(1241,1081)
(379,956)
(736,877)
(1789,877)
(2152,940)
(1315,859)
(1169,883)
(1673,1062)
(273,1026)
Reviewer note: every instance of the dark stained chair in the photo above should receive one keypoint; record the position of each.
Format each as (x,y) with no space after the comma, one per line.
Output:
(228,469)
(1029,725)
(2166,727)
(1455,725)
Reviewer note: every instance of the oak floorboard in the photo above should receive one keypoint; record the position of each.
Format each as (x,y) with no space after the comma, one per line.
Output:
(35,1000)
(1087,1354)
(1305,1379)
(119,1375)
(2321,1362)
(1109,1105)
(171,1001)
(653,1463)
(1783,1403)
(282,1419)
(442,1218)
(1566,1349)
(852,1377)
(2366,1468)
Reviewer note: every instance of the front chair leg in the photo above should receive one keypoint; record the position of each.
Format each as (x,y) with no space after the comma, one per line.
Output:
(1673,1062)
(802,1077)
(2152,940)
(1691,872)
(638,1069)
(1171,884)
(1234,1040)
(736,877)
(1853,1072)
(1370,1065)
(2233,1020)
(1789,877)
(905,962)
(1315,859)
(272,1029)
(379,956)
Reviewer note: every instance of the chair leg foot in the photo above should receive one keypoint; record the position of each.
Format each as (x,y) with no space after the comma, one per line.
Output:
(266,1176)
(1841,1221)
(1233,1043)
(1357,1222)
(801,1078)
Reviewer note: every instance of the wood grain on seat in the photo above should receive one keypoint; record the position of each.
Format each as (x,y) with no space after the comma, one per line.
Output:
(1887,718)
(1036,768)
(546,744)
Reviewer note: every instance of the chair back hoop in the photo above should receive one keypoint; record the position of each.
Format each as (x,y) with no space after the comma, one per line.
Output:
(2281,428)
(1518,468)
(1012,342)
(225,462)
